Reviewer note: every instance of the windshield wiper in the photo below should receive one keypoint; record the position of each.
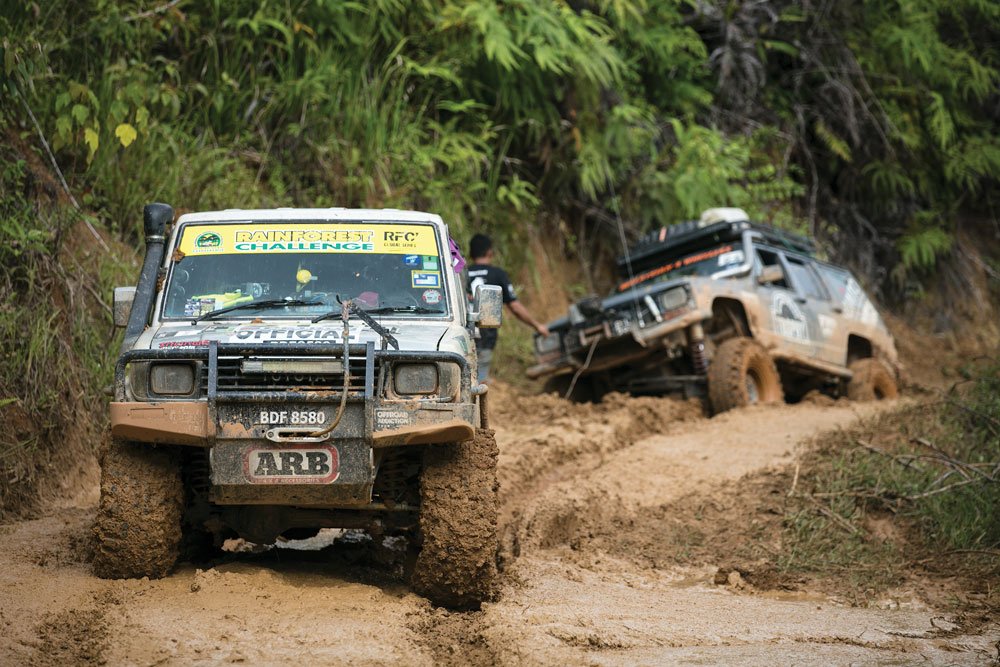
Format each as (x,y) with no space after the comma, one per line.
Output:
(264,303)
(402,309)
(353,309)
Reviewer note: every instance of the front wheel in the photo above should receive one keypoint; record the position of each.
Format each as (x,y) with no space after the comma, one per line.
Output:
(871,381)
(138,526)
(456,563)
(742,373)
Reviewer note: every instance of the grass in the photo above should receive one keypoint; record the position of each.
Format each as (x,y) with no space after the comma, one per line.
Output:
(56,345)
(918,488)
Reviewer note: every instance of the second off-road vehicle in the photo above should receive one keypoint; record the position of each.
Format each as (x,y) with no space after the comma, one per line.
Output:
(736,311)
(288,370)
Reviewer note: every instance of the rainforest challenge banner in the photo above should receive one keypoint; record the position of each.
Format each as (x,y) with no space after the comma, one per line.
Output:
(298,237)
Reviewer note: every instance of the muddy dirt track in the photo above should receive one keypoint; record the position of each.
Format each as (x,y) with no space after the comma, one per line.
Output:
(571,477)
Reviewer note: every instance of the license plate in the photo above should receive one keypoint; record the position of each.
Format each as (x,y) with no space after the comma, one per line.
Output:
(292,465)
(291,418)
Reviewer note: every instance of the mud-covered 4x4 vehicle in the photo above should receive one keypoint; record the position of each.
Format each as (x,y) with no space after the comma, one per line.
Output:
(288,370)
(725,308)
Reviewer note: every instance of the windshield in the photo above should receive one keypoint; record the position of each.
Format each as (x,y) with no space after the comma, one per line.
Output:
(300,269)
(702,263)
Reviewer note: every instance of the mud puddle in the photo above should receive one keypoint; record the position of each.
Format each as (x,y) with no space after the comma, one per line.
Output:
(586,580)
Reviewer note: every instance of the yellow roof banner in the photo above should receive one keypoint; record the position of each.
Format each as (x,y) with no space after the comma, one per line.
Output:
(308,237)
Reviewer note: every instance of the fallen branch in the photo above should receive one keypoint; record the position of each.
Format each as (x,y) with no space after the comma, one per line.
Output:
(958,464)
(934,492)
(833,516)
(987,552)
(795,479)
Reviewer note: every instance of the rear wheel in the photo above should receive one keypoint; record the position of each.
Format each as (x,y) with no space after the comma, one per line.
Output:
(138,526)
(742,373)
(871,381)
(456,563)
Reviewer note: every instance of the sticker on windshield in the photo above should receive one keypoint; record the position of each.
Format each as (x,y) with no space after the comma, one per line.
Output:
(431,297)
(208,240)
(425,278)
(430,263)
(198,306)
(411,240)
(413,261)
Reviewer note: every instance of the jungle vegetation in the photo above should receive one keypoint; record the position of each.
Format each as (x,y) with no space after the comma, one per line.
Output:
(869,123)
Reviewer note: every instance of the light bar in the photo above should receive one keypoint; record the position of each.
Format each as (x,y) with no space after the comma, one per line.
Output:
(293,366)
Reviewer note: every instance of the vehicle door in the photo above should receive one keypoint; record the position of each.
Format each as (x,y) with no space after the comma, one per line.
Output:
(818,307)
(853,309)
(784,297)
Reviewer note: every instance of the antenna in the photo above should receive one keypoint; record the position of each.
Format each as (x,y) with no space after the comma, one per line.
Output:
(624,242)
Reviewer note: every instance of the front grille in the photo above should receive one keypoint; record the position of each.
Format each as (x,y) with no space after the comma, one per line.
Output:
(232,378)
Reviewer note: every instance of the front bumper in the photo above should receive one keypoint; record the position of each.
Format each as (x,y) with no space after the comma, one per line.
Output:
(233,424)
(610,349)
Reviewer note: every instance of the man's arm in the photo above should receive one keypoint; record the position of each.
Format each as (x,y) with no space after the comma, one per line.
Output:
(521,313)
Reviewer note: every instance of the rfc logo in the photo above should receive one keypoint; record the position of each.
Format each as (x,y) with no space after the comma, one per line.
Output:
(208,240)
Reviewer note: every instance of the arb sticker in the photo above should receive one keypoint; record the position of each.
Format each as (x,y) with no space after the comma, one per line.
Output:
(300,465)
(431,297)
(426,278)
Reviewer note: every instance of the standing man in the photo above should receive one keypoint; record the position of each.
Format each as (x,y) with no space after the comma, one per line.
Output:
(482,272)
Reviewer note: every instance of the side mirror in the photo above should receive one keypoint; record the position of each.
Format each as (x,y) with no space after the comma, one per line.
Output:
(771,274)
(487,306)
(124,296)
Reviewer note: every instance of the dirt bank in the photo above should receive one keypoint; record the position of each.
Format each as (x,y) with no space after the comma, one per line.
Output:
(586,574)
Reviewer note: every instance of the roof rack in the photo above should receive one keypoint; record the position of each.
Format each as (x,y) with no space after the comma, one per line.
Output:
(715,226)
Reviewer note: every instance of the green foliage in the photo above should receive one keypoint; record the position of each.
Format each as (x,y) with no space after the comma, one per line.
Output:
(54,348)
(931,471)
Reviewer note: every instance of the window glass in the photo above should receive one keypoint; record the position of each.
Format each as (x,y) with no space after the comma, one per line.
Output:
(836,281)
(769,258)
(315,265)
(804,278)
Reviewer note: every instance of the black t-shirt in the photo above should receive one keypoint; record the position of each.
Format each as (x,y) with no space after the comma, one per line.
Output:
(487,274)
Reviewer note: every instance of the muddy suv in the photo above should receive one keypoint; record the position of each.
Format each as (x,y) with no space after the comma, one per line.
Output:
(288,370)
(725,308)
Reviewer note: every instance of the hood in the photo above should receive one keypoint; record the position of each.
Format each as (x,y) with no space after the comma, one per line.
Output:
(625,299)
(411,335)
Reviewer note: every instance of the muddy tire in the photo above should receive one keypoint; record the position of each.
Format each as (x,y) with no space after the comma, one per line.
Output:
(138,526)
(872,381)
(456,563)
(742,373)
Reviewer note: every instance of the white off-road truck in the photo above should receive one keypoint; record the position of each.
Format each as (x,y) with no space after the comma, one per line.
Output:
(288,370)
(725,308)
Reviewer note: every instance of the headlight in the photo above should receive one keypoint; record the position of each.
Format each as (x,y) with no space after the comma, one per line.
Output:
(171,379)
(673,299)
(415,379)
(547,344)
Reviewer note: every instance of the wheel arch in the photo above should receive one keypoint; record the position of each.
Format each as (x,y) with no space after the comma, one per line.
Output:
(729,311)
(858,347)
